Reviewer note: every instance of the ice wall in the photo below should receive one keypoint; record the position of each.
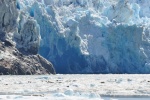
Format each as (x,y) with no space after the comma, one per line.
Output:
(92,36)
(8,15)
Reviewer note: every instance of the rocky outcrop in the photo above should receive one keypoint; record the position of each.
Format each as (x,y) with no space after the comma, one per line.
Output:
(20,57)
(15,63)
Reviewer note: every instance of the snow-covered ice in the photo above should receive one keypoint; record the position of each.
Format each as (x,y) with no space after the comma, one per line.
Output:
(75,87)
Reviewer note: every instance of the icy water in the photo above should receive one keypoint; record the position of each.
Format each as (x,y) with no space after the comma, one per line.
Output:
(16,97)
(75,87)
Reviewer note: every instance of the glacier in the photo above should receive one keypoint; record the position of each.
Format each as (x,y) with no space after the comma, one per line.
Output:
(89,36)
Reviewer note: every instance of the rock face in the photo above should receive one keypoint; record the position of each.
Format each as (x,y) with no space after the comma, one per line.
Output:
(15,63)
(19,57)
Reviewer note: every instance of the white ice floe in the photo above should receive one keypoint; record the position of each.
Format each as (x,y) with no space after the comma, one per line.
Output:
(75,87)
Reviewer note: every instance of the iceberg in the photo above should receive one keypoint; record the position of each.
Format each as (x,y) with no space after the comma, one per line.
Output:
(90,36)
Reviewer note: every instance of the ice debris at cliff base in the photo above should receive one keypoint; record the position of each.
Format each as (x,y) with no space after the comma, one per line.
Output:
(92,36)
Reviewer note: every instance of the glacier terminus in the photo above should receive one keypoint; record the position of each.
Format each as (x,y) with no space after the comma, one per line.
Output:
(87,36)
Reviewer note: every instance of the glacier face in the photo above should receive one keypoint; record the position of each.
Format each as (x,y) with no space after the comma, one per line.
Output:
(91,36)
